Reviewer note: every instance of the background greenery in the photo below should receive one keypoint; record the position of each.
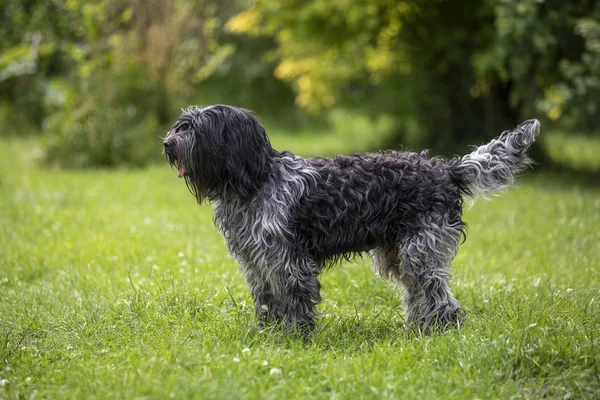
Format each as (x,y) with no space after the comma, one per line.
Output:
(102,79)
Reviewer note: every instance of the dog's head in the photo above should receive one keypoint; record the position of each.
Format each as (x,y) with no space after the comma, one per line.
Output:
(220,151)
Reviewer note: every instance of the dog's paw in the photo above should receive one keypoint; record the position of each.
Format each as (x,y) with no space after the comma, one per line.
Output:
(447,317)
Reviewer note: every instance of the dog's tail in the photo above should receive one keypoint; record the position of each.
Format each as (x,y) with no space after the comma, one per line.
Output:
(494,166)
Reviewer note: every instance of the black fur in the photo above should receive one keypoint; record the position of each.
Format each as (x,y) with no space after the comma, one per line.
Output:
(286,218)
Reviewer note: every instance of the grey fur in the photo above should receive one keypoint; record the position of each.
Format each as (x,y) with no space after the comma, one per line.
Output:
(492,167)
(287,218)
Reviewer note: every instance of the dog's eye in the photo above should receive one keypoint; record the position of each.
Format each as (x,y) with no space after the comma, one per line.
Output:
(182,128)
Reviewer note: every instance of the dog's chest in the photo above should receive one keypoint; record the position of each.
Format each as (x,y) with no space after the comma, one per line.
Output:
(254,232)
(260,231)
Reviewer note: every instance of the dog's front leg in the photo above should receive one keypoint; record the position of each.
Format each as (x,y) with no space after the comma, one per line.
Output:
(261,294)
(296,293)
(302,294)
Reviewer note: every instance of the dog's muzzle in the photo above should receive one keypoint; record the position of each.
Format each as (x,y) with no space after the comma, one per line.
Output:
(171,153)
(169,147)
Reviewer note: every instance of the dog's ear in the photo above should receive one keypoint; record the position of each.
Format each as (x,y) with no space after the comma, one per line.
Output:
(247,152)
(232,151)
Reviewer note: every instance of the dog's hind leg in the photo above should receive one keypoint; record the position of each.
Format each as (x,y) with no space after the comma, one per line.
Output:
(424,271)
(388,264)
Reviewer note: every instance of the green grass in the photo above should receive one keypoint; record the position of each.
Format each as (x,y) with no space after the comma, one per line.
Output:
(115,284)
(573,150)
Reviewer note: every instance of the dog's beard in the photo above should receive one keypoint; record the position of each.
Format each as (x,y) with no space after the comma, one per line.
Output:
(177,164)
(181,158)
(180,155)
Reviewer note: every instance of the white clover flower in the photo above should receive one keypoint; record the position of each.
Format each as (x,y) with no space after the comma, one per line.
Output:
(236,360)
(246,351)
(265,363)
(3,382)
(275,372)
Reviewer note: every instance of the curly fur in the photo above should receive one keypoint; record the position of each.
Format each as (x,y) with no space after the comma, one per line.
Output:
(286,218)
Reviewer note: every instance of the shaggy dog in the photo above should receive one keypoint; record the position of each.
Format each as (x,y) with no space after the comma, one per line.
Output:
(286,218)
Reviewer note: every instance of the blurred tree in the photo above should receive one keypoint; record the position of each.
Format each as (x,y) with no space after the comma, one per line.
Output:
(110,66)
(247,79)
(34,42)
(324,46)
(449,73)
(548,52)
(132,59)
(173,43)
(91,73)
(462,70)
(410,59)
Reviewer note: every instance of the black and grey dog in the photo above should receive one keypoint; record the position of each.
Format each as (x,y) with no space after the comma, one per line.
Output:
(286,218)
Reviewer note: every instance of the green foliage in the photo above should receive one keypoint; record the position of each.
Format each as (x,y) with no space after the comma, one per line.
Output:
(105,129)
(549,51)
(14,124)
(33,36)
(108,123)
(459,75)
(115,57)
(246,79)
(115,284)
(104,137)
(322,45)
(448,74)
(410,60)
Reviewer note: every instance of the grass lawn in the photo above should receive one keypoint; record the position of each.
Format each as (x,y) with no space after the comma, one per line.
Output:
(115,284)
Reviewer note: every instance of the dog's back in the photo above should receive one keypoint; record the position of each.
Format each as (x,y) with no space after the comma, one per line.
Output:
(360,202)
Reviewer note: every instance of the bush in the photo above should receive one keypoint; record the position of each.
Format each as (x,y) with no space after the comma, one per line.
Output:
(102,137)
(111,123)
(14,123)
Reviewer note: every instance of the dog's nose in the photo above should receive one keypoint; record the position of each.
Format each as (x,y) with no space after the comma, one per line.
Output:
(169,147)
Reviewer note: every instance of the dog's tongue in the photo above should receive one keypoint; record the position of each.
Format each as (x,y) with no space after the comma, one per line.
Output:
(181,172)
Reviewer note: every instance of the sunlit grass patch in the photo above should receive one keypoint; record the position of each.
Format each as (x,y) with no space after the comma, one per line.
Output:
(573,150)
